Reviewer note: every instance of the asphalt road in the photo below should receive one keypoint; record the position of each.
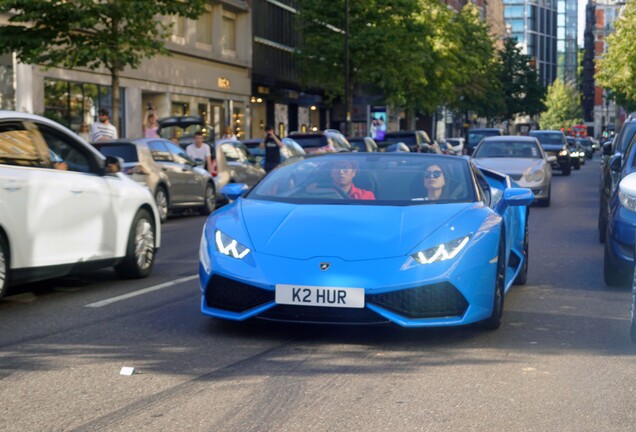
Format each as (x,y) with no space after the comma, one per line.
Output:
(561,361)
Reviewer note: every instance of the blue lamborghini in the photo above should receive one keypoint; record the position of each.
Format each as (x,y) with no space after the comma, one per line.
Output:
(364,238)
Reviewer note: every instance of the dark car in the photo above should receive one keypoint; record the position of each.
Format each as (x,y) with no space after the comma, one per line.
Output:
(327,141)
(364,144)
(290,149)
(611,161)
(417,141)
(244,166)
(588,146)
(475,135)
(175,181)
(183,128)
(554,143)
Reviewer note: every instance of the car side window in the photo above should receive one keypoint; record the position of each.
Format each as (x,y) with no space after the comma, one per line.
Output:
(22,147)
(178,154)
(65,153)
(246,155)
(159,151)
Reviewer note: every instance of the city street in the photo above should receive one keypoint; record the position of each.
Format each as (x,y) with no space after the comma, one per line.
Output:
(562,359)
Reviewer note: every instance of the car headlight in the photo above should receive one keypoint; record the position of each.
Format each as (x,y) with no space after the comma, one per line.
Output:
(228,246)
(627,201)
(441,252)
(563,152)
(534,176)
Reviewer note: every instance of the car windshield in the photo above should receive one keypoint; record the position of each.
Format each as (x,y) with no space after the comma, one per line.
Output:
(549,138)
(476,136)
(384,178)
(128,152)
(507,149)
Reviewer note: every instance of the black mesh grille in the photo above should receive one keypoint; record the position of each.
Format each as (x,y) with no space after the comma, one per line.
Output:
(323,314)
(431,301)
(228,294)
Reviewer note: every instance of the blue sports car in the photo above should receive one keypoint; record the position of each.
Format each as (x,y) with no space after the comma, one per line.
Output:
(363,238)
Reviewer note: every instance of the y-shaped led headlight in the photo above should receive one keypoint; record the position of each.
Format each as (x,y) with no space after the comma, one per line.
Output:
(228,246)
(441,252)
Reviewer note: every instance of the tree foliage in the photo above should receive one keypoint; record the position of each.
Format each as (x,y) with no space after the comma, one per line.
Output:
(418,53)
(113,34)
(522,92)
(563,106)
(616,70)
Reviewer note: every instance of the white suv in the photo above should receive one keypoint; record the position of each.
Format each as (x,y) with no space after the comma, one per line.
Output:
(65,208)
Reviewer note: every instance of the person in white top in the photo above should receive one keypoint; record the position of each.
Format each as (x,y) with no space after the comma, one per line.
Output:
(199,150)
(103,129)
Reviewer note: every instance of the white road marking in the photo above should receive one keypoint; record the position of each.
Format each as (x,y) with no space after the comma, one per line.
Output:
(141,292)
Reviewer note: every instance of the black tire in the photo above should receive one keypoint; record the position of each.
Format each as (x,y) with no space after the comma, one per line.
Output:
(566,170)
(494,321)
(209,198)
(4,266)
(161,199)
(545,202)
(612,274)
(522,277)
(140,252)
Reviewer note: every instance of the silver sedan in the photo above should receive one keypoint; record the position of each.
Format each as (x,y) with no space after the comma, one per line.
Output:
(522,158)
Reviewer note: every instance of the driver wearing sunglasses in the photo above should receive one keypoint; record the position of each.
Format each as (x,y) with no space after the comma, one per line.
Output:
(434,182)
(342,174)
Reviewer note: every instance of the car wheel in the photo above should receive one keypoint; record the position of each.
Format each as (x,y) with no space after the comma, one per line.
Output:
(612,274)
(4,266)
(140,252)
(209,199)
(545,202)
(522,277)
(566,170)
(494,321)
(161,199)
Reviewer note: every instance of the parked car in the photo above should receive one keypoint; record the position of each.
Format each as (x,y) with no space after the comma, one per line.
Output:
(417,140)
(364,144)
(627,189)
(577,153)
(554,143)
(69,213)
(475,135)
(521,158)
(290,149)
(455,146)
(444,262)
(175,180)
(244,166)
(611,163)
(327,141)
(183,128)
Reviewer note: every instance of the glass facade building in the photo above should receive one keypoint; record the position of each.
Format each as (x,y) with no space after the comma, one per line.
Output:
(533,23)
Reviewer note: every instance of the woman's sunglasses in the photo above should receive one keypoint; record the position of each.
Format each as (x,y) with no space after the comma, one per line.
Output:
(433,174)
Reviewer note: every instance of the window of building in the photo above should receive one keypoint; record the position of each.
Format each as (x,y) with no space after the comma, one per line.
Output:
(228,39)
(204,29)
(178,28)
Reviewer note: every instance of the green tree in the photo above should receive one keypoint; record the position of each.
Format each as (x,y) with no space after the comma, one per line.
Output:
(112,34)
(616,70)
(522,92)
(395,46)
(563,106)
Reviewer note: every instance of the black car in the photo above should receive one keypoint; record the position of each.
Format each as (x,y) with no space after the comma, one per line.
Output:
(611,162)
(554,143)
(475,135)
(364,144)
(588,146)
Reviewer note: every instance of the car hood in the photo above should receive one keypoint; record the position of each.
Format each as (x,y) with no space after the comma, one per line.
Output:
(508,165)
(350,232)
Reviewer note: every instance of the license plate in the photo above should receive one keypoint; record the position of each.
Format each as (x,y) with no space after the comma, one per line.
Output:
(320,296)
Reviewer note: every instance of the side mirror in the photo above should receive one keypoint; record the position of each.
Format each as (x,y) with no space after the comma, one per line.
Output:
(234,191)
(515,197)
(616,162)
(113,164)
(607,148)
